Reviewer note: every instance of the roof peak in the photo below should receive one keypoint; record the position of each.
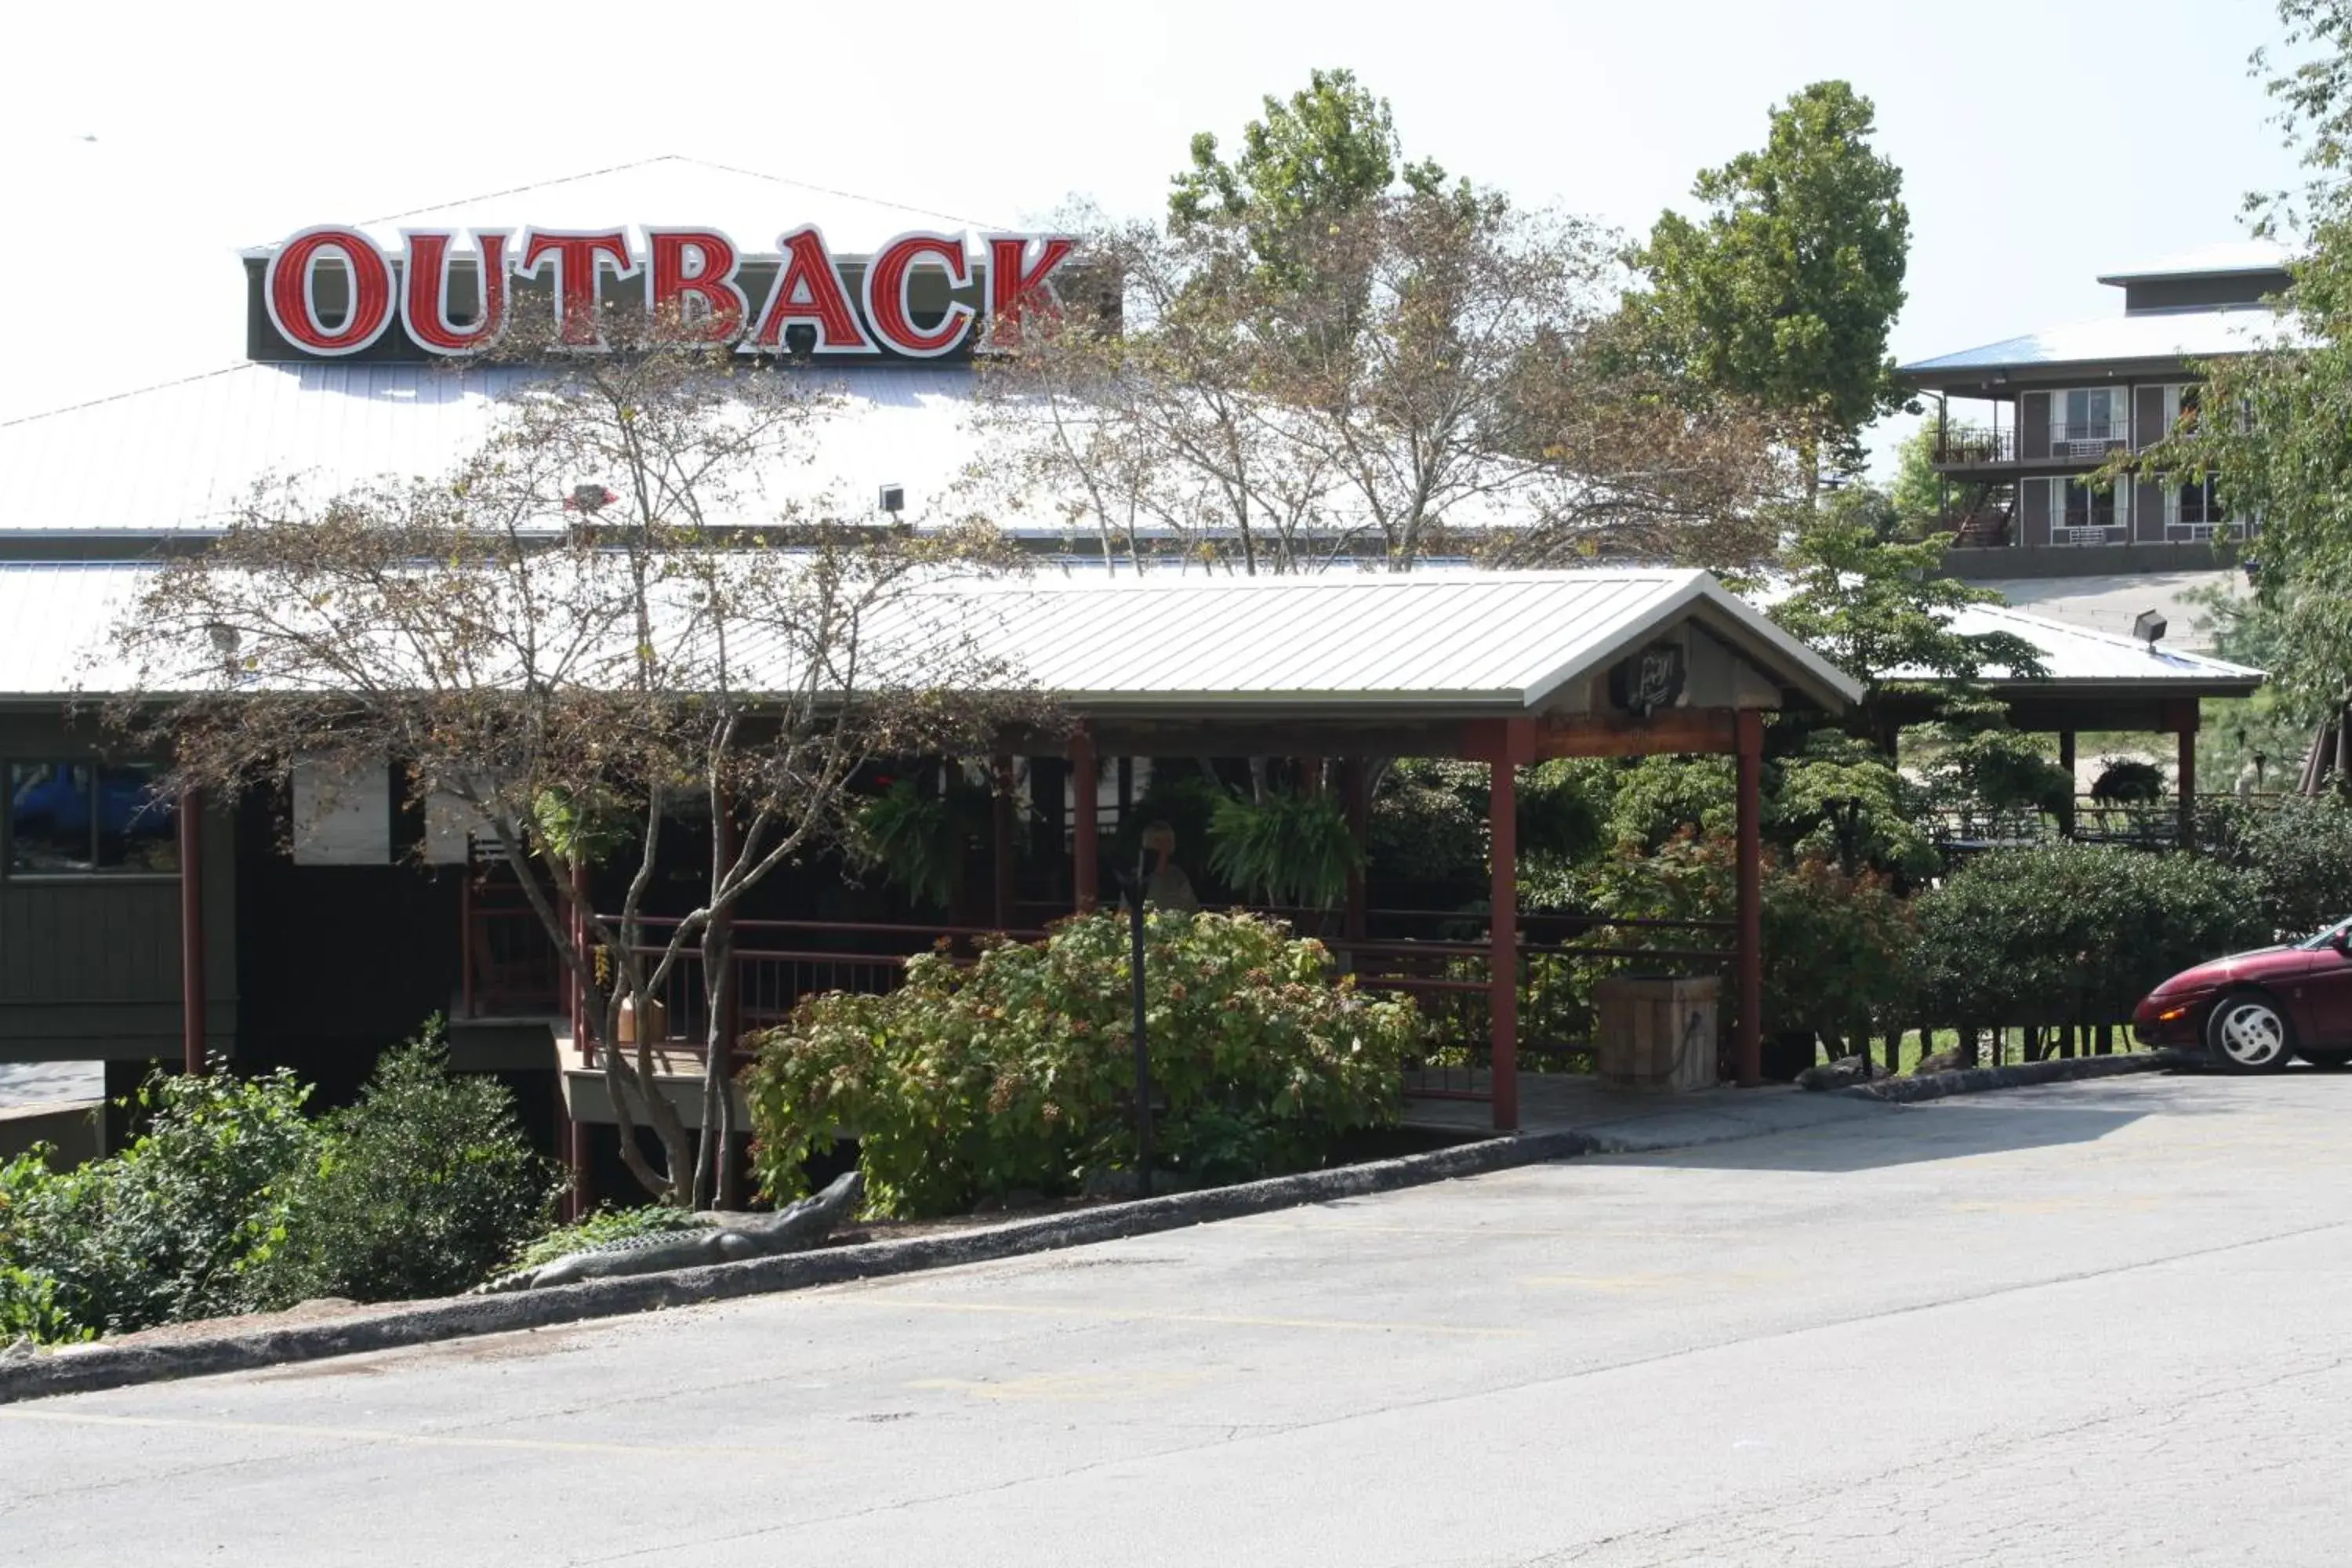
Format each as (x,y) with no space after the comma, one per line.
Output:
(669,187)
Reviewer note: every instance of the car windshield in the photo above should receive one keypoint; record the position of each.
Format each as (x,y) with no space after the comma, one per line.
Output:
(2326,938)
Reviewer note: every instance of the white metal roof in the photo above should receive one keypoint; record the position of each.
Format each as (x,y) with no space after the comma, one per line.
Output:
(2222,258)
(1443,641)
(2110,601)
(750,208)
(1489,640)
(2147,335)
(2076,656)
(180,458)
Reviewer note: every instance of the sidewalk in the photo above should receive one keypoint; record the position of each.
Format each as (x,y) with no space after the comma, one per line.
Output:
(1632,1121)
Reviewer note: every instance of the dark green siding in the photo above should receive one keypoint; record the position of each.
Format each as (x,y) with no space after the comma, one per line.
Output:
(90,966)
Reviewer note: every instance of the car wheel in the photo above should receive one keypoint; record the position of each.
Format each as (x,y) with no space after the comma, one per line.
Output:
(2329,1060)
(2249,1033)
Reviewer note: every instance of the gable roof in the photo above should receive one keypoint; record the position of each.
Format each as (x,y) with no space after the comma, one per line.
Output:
(751,208)
(1341,643)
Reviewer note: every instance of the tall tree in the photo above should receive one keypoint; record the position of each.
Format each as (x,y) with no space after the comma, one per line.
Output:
(584,631)
(1785,290)
(1881,611)
(2276,440)
(1438,389)
(1330,149)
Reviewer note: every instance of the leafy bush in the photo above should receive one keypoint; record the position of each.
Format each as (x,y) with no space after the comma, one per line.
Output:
(28,1304)
(1016,1072)
(420,1189)
(233,1201)
(186,1223)
(1841,800)
(2298,852)
(605,1224)
(2001,770)
(2073,931)
(1835,942)
(1425,830)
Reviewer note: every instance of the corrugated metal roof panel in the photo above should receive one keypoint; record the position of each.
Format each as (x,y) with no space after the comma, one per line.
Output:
(1462,641)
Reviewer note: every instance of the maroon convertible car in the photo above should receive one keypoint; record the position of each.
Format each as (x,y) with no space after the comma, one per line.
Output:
(2251,1010)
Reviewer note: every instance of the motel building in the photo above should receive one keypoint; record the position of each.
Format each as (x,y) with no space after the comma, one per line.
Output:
(311,927)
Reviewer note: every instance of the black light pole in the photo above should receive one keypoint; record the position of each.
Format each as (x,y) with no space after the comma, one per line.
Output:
(1134,885)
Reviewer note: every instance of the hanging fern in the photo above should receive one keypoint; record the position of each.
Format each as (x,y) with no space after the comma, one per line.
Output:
(1293,850)
(910,835)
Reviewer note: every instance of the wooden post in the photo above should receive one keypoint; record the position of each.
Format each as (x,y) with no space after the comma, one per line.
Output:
(1085,784)
(1503,976)
(1356,801)
(2189,777)
(192,930)
(579,1198)
(1747,1043)
(1005,862)
(2066,761)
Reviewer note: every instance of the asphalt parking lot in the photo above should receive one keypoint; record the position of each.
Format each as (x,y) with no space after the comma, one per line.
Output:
(2097,1322)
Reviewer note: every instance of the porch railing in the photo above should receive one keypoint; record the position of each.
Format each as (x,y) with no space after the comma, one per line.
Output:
(1446,971)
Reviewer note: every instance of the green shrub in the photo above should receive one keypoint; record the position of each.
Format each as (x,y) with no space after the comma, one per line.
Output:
(187,1223)
(28,1303)
(605,1224)
(1835,942)
(1427,828)
(1017,1071)
(2071,932)
(2298,852)
(422,1188)
(1840,799)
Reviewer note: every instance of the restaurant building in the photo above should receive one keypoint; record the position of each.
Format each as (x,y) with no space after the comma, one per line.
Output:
(314,926)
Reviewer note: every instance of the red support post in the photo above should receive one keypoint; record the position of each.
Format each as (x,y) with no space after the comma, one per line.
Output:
(1503,975)
(1356,801)
(577,1201)
(1747,1043)
(2189,777)
(465,1009)
(192,930)
(1086,796)
(1005,854)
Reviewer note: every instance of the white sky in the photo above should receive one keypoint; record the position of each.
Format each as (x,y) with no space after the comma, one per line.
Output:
(141,145)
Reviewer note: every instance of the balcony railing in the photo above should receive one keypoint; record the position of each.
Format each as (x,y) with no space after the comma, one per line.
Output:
(1967,444)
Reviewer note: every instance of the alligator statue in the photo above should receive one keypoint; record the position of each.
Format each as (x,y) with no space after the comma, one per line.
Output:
(729,1239)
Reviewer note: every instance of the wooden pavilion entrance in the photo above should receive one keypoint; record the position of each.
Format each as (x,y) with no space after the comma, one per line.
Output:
(1503,670)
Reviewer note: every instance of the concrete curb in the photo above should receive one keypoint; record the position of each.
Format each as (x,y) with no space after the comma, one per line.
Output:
(81,1370)
(1975,1081)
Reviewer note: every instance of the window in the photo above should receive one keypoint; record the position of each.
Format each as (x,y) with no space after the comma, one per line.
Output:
(2087,420)
(2080,514)
(2179,409)
(76,819)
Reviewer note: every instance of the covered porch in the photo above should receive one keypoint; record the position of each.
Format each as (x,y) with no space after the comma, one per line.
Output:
(1335,675)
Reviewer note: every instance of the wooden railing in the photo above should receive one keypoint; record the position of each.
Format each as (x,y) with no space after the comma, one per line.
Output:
(1447,973)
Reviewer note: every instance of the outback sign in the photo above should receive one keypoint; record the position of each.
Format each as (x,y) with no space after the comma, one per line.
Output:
(331,292)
